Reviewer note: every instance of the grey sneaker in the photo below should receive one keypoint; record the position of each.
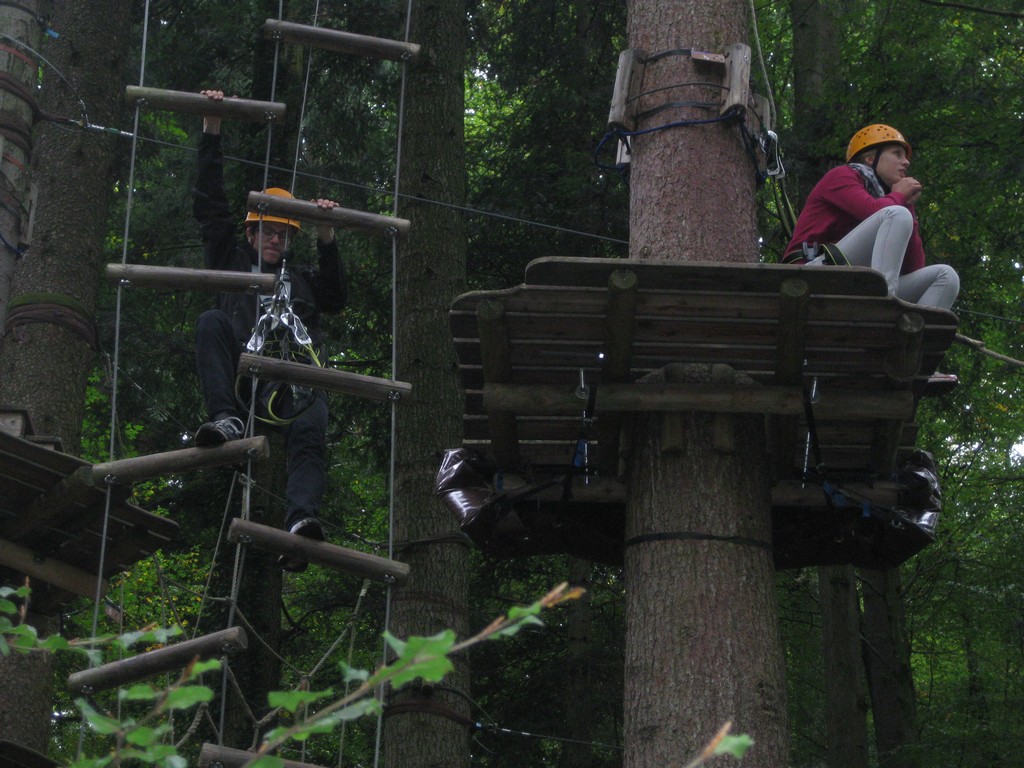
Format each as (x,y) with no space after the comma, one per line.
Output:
(308,528)
(219,432)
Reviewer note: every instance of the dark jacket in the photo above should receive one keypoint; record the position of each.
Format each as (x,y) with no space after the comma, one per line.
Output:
(314,290)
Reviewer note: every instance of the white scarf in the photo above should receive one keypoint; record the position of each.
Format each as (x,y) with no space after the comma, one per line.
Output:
(871,181)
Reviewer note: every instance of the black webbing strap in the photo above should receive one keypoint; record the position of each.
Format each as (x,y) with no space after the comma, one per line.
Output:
(693,536)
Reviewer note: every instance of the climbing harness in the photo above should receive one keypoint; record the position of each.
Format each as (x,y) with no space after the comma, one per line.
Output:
(280,333)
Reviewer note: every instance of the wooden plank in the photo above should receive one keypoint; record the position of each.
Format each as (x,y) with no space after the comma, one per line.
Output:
(342,218)
(178,278)
(620,330)
(707,276)
(331,379)
(197,104)
(150,663)
(319,552)
(339,41)
(61,575)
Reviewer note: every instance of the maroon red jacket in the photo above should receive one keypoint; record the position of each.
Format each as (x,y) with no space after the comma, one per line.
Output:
(841,201)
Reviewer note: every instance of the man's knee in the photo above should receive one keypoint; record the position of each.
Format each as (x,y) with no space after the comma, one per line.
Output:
(213,323)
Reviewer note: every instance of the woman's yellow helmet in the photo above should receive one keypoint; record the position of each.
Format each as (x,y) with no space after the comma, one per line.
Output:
(252,216)
(873,135)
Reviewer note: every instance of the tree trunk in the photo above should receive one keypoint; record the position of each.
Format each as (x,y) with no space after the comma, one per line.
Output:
(846,729)
(44,365)
(887,660)
(430,272)
(702,638)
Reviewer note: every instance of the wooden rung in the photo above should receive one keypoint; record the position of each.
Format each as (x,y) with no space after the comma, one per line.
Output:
(59,574)
(319,552)
(216,756)
(175,278)
(343,218)
(341,42)
(331,379)
(151,663)
(128,471)
(197,104)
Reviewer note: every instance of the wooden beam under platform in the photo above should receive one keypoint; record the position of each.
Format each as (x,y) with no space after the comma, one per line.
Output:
(339,41)
(546,399)
(342,218)
(319,552)
(331,379)
(183,279)
(196,104)
(61,575)
(165,659)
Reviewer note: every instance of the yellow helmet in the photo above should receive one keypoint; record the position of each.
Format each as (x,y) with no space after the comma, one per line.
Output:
(278,192)
(873,135)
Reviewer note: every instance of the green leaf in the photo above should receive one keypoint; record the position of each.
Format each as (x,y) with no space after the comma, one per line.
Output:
(100,723)
(6,606)
(14,591)
(267,761)
(141,692)
(185,697)
(420,657)
(734,745)
(353,675)
(292,700)
(203,666)
(5,649)
(144,736)
(158,636)
(55,643)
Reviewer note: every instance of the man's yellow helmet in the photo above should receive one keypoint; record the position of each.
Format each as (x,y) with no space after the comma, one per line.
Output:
(278,192)
(873,135)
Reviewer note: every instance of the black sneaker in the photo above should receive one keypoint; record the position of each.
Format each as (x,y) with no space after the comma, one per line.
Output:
(219,432)
(308,528)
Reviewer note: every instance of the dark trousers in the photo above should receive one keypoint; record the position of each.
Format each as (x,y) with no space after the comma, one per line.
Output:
(217,353)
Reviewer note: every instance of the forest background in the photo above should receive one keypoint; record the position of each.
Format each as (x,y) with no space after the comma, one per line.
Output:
(538,78)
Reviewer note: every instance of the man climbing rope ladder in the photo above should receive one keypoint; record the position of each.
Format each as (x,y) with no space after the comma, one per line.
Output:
(289,324)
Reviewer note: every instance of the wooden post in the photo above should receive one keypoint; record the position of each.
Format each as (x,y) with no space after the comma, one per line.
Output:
(197,104)
(340,42)
(61,575)
(497,367)
(343,218)
(151,663)
(782,433)
(214,280)
(319,552)
(331,379)
(620,328)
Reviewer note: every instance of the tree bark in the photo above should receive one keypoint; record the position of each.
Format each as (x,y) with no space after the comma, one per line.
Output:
(44,366)
(702,638)
(430,272)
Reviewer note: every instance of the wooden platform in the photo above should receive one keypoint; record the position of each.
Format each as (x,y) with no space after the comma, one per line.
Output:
(521,351)
(61,522)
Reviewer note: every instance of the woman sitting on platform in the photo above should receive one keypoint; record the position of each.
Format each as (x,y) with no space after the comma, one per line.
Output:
(866,208)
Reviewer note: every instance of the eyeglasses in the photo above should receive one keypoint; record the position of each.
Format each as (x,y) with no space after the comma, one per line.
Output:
(269,233)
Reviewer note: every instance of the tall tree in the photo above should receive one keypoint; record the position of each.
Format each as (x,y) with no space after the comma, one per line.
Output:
(702,640)
(428,727)
(48,348)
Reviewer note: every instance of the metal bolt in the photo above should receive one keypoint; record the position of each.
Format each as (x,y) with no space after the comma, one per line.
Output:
(389,579)
(394,396)
(390,230)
